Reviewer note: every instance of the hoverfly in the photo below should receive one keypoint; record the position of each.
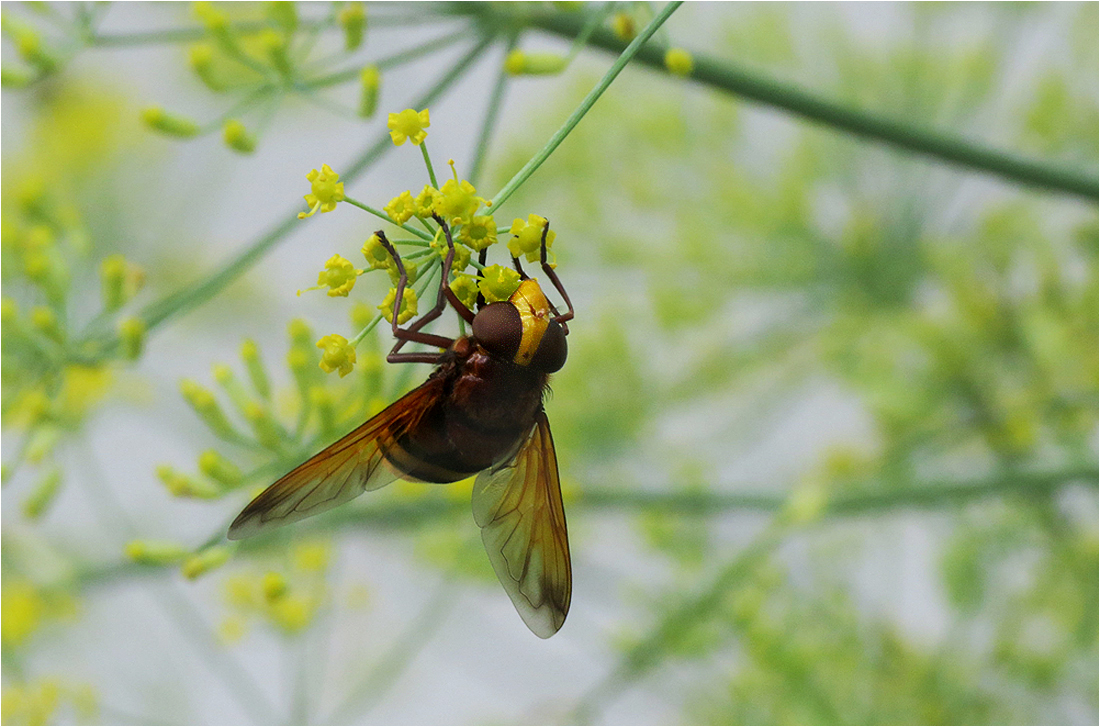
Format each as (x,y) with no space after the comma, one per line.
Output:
(480,412)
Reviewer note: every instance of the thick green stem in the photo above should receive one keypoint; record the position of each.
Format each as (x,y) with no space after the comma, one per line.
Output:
(722,75)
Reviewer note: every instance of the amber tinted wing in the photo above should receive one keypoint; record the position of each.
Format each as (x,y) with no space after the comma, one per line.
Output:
(341,472)
(518,506)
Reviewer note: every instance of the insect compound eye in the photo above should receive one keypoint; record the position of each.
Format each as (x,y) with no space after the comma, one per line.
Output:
(552,349)
(499,329)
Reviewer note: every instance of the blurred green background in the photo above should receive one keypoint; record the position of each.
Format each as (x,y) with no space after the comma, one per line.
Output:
(827,431)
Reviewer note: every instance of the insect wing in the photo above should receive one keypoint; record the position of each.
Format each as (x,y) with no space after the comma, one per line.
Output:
(518,506)
(339,473)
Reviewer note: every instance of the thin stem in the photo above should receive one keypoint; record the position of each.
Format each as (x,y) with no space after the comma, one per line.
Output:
(253,97)
(616,68)
(338,109)
(382,215)
(397,59)
(594,21)
(428,163)
(722,75)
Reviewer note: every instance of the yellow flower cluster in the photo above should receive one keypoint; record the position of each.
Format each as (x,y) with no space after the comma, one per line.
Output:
(455,204)
(288,599)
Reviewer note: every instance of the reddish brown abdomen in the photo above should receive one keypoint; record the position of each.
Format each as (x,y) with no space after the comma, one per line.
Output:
(487,407)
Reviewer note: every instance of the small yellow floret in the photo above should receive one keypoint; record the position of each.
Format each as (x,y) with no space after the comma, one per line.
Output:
(623,25)
(210,16)
(515,61)
(131,334)
(338,354)
(408,125)
(338,276)
(401,207)
(22,610)
(238,138)
(354,20)
(534,64)
(274,586)
(479,233)
(327,190)
(679,62)
(465,287)
(205,561)
(218,468)
(457,200)
(157,118)
(378,257)
(408,305)
(426,200)
(292,613)
(371,79)
(527,238)
(311,557)
(498,283)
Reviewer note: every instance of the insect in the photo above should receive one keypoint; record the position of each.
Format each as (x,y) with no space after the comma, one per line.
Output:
(480,412)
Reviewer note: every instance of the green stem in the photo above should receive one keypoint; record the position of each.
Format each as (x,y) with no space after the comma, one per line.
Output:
(404,516)
(616,68)
(594,21)
(192,34)
(920,496)
(380,214)
(397,59)
(722,75)
(428,163)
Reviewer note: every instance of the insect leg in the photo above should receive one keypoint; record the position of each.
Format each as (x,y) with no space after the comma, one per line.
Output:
(546,268)
(412,333)
(482,258)
(445,288)
(519,268)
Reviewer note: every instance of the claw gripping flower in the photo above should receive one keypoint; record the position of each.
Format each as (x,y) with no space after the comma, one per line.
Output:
(408,306)
(426,200)
(527,237)
(378,257)
(408,124)
(327,190)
